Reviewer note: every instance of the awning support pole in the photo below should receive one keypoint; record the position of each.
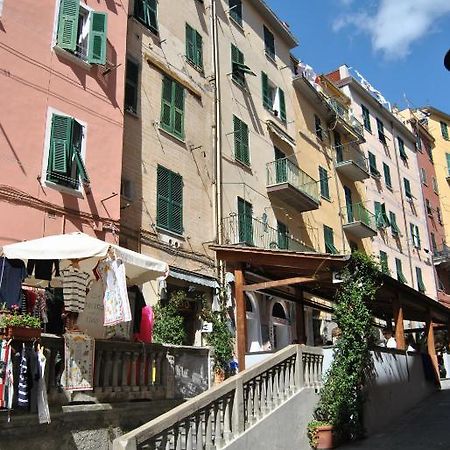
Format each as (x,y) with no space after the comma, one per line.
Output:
(241,319)
(300,318)
(399,330)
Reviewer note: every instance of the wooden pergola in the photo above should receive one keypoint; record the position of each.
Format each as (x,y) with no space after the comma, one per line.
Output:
(291,275)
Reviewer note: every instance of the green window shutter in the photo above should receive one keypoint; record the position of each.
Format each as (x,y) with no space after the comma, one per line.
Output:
(190,44)
(282,235)
(448,163)
(163,197)
(366,118)
(245,221)
(267,99)
(384,262)
(415,236)
(384,216)
(387,175)
(393,221)
(373,165)
(401,148)
(245,146)
(97,38)
(235,8)
(178,109)
(77,139)
(68,24)
(329,240)
(269,42)
(381,135)
(166,104)
(241,147)
(60,148)
(131,86)
(238,65)
(146,12)
(444,130)
(318,126)
(282,105)
(176,203)
(324,187)
(407,185)
(400,276)
(420,283)
(377,212)
(199,50)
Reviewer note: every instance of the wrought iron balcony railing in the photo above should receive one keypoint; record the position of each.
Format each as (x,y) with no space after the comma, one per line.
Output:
(357,212)
(344,114)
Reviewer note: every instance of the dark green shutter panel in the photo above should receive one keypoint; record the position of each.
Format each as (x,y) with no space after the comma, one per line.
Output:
(176,213)
(146,12)
(282,236)
(68,24)
(269,42)
(152,14)
(324,188)
(190,43)
(407,188)
(448,163)
(244,142)
(444,130)
(199,49)
(245,213)
(282,105)
(97,38)
(237,138)
(60,142)
(166,104)
(178,110)
(163,197)
(267,100)
(131,86)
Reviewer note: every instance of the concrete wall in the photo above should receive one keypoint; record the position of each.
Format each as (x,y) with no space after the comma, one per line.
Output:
(283,429)
(36,79)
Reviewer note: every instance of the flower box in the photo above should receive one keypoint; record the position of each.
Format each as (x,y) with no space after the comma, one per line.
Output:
(22,333)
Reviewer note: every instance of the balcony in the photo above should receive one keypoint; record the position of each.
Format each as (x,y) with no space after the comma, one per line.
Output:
(291,185)
(349,121)
(247,230)
(351,163)
(441,257)
(359,221)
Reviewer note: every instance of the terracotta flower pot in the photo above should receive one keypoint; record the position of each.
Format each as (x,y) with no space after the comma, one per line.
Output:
(23,333)
(219,376)
(325,437)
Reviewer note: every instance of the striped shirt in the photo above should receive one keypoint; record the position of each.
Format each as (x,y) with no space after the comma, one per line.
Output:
(75,284)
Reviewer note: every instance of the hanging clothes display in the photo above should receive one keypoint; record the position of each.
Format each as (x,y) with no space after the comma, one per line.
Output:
(22,390)
(146,325)
(43,268)
(42,402)
(75,284)
(78,362)
(6,375)
(12,274)
(115,299)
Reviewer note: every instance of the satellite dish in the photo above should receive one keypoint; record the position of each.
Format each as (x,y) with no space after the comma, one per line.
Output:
(447,60)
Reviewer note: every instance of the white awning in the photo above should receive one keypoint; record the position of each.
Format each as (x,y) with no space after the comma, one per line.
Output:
(195,279)
(139,268)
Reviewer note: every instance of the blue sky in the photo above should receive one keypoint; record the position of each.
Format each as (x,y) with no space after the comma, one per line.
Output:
(398,45)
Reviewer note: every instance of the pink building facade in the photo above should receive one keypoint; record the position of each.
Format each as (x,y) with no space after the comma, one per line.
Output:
(61,119)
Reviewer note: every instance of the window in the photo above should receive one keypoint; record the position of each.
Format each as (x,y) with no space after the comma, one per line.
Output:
(415,237)
(65,165)
(433,243)
(329,240)
(448,164)
(269,43)
(172,107)
(400,276)
(324,188)
(401,149)
(418,141)
(381,135)
(408,192)
(444,131)
(82,31)
(235,9)
(194,47)
(273,98)
(131,86)
(318,127)
(429,150)
(428,207)
(435,186)
(439,216)
(283,236)
(169,201)
(373,165)
(393,221)
(241,147)
(420,284)
(384,262)
(381,217)
(366,118)
(338,147)
(245,219)
(146,12)
(387,175)
(238,67)
(423,176)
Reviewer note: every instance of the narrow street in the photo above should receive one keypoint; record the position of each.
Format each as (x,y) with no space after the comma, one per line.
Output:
(424,428)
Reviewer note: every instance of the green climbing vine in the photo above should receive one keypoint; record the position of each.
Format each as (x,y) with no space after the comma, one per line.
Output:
(341,398)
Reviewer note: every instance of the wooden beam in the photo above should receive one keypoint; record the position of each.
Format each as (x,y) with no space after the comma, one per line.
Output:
(431,345)
(399,328)
(241,319)
(300,318)
(277,283)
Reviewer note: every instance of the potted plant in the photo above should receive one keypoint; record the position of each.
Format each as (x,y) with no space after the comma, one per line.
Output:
(21,326)
(340,405)
(320,434)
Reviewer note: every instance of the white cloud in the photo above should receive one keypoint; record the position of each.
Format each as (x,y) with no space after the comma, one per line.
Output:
(396,24)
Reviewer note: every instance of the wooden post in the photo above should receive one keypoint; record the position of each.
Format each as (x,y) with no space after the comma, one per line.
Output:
(300,318)
(398,319)
(430,344)
(241,319)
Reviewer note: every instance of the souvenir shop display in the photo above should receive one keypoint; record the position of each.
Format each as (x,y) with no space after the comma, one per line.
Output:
(73,286)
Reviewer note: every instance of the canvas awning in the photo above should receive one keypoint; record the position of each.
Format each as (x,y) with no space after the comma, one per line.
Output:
(139,268)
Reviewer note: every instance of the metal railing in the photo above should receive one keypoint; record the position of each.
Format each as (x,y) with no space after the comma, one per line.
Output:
(248,230)
(357,212)
(285,171)
(213,419)
(345,115)
(347,153)
(442,254)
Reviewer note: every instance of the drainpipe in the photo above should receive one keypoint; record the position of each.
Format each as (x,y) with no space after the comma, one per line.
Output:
(217,144)
(403,204)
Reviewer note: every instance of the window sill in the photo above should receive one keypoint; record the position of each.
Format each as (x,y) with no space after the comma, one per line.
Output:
(271,58)
(243,165)
(276,116)
(242,87)
(174,136)
(154,33)
(71,57)
(176,235)
(63,189)
(199,69)
(328,199)
(368,131)
(390,188)
(238,25)
(132,113)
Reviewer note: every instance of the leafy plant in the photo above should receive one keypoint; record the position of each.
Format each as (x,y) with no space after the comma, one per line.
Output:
(169,323)
(341,398)
(22,320)
(312,432)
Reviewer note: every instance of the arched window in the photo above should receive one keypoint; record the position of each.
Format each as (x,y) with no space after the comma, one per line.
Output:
(278,311)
